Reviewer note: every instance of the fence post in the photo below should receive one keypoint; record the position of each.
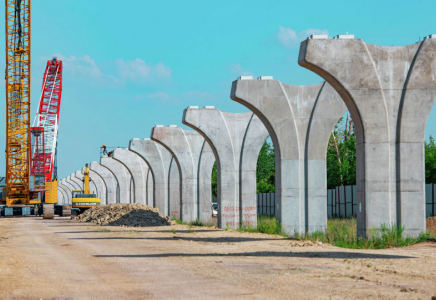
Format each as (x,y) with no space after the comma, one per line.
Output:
(352,201)
(345,201)
(274,203)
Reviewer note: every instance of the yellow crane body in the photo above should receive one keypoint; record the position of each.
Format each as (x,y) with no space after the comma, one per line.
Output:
(17,101)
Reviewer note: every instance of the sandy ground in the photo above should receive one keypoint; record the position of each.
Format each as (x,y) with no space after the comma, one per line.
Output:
(64,259)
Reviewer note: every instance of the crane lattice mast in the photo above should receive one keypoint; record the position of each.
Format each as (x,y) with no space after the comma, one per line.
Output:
(45,124)
(17,79)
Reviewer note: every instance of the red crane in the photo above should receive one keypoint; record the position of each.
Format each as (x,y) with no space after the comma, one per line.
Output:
(45,124)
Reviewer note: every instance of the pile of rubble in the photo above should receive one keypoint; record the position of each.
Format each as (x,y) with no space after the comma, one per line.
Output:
(136,215)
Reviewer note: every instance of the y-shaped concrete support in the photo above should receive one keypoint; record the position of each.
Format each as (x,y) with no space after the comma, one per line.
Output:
(100,185)
(185,146)
(138,168)
(110,180)
(158,160)
(76,184)
(61,197)
(123,177)
(389,92)
(69,186)
(300,120)
(66,192)
(236,140)
(61,190)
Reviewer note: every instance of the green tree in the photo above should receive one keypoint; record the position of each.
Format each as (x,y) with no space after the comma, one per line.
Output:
(341,155)
(266,169)
(430,161)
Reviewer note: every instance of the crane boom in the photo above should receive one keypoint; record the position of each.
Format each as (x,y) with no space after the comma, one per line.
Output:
(17,101)
(45,125)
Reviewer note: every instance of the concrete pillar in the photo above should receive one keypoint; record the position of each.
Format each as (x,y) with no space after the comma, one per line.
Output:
(174,190)
(179,143)
(207,159)
(111,182)
(138,168)
(150,188)
(158,160)
(61,199)
(289,114)
(78,182)
(234,145)
(389,92)
(100,185)
(70,188)
(186,147)
(123,177)
(75,184)
(65,192)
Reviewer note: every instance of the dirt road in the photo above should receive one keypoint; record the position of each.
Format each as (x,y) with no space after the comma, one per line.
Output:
(64,259)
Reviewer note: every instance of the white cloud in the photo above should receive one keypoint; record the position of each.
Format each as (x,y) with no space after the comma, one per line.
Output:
(138,71)
(81,66)
(133,70)
(290,38)
(112,73)
(163,71)
(188,97)
(84,68)
(160,96)
(238,70)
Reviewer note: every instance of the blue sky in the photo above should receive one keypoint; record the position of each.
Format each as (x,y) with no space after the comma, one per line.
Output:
(128,67)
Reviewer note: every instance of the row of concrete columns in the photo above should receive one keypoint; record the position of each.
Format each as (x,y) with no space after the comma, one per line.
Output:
(389,92)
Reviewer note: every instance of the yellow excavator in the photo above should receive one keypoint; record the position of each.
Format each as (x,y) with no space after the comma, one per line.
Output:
(82,200)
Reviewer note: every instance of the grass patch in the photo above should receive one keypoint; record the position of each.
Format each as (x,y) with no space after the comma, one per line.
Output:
(103,229)
(197,222)
(178,221)
(265,224)
(343,233)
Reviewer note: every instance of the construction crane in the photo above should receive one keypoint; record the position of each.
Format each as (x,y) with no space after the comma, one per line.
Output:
(17,101)
(29,166)
(45,132)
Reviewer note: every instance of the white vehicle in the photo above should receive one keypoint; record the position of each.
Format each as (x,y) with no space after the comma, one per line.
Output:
(214,209)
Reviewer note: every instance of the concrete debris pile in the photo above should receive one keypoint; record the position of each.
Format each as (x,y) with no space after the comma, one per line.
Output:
(136,215)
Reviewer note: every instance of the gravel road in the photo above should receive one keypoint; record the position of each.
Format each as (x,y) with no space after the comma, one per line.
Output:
(65,259)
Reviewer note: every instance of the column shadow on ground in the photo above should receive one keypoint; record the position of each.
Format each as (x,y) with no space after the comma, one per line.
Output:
(189,239)
(327,254)
(139,231)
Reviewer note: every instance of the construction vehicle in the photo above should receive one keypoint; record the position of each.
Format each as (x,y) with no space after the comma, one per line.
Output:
(29,185)
(17,83)
(44,141)
(83,200)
